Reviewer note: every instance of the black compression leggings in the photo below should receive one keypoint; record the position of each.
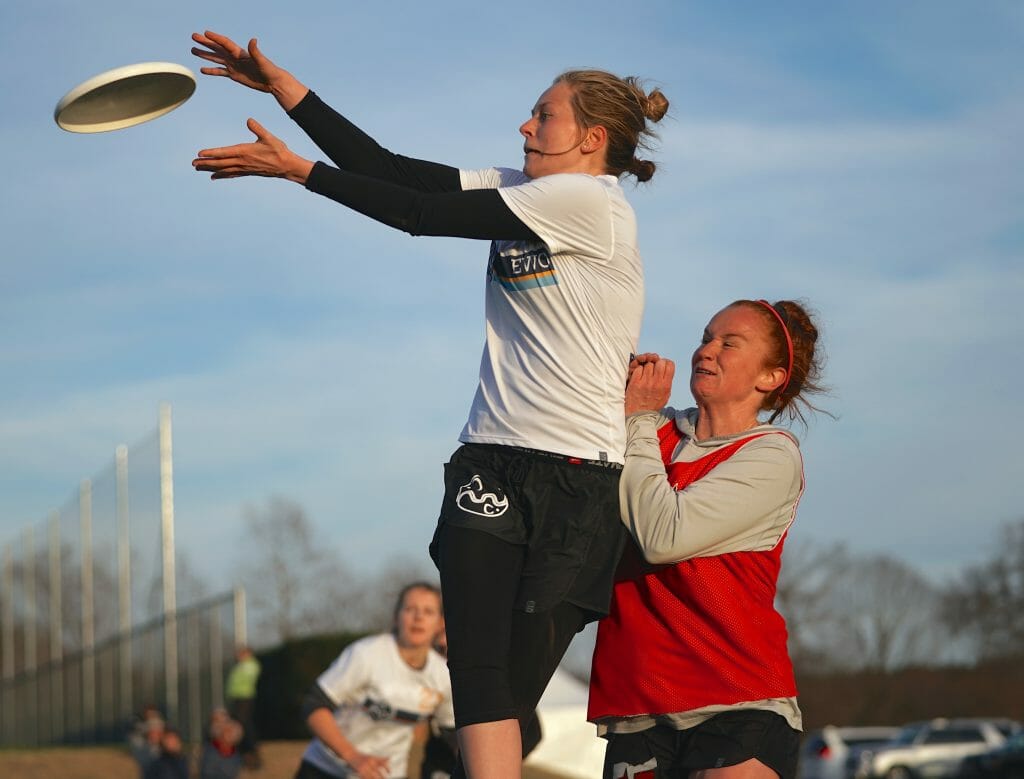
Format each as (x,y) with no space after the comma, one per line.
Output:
(500,658)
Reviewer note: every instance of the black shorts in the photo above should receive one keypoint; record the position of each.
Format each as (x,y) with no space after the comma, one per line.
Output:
(562,510)
(726,739)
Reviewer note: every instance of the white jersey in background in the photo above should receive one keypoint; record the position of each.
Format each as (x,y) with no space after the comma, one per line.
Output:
(563,317)
(378,700)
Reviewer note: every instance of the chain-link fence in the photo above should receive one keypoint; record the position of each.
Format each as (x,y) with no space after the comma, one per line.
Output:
(92,695)
(89,625)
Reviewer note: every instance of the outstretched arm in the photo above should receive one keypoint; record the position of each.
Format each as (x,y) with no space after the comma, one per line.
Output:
(353,150)
(478,213)
(345,144)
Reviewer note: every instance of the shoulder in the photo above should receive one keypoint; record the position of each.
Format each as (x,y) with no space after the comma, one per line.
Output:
(775,447)
(571,183)
(437,667)
(491,178)
(368,646)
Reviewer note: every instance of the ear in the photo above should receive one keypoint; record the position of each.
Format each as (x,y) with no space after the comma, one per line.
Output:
(594,140)
(771,380)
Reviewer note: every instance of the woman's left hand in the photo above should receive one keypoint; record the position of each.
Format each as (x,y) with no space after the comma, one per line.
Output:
(650,383)
(266,156)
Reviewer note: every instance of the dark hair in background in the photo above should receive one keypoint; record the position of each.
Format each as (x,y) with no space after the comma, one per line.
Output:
(623,108)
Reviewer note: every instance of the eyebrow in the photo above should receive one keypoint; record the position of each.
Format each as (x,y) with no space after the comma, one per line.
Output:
(726,335)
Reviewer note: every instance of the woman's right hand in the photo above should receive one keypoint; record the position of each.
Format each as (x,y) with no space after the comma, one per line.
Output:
(248,67)
(369,766)
(650,383)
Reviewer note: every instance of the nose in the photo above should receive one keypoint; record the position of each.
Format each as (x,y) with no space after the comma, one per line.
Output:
(526,129)
(706,351)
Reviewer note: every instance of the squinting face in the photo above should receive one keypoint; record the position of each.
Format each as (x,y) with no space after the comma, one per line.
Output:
(551,135)
(420,619)
(730,364)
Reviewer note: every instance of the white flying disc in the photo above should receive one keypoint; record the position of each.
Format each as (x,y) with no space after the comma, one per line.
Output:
(125,96)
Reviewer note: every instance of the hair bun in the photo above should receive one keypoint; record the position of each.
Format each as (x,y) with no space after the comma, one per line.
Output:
(655,105)
(642,169)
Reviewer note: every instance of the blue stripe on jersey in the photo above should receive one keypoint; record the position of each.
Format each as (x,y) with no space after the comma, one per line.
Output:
(517,265)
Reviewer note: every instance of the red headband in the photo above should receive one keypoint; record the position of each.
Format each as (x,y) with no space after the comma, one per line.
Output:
(789,343)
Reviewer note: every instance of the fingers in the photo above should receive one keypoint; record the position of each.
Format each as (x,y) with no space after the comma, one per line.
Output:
(222,42)
(255,53)
(653,374)
(258,129)
(662,370)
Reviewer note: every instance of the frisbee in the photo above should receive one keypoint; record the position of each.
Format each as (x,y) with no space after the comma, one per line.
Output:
(124,97)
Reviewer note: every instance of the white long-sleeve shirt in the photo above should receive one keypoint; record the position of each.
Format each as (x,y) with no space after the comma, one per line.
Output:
(745,504)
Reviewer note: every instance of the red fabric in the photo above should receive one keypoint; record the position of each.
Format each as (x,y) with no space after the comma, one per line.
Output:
(691,634)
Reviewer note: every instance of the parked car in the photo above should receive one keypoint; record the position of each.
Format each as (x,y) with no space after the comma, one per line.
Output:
(1003,762)
(827,753)
(934,749)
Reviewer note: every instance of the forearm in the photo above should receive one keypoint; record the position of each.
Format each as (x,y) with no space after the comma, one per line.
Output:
(322,724)
(479,213)
(353,150)
(743,504)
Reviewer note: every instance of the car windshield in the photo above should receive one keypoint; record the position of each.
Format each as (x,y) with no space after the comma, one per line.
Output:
(907,735)
(866,742)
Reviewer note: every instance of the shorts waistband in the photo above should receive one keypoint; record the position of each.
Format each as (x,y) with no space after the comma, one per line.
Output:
(568,458)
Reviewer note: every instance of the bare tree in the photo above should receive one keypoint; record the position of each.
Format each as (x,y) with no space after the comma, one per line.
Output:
(379,592)
(295,584)
(857,612)
(811,572)
(889,616)
(986,605)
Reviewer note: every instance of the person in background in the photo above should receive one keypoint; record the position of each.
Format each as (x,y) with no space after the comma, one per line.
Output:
(171,762)
(691,676)
(220,757)
(144,738)
(240,692)
(364,708)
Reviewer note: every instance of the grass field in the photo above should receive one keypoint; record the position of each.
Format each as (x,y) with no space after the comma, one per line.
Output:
(280,759)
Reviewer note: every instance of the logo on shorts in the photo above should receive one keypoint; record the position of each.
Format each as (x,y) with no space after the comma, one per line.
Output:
(640,771)
(473,500)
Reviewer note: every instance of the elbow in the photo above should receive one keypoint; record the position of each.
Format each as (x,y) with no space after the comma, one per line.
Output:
(653,553)
(657,556)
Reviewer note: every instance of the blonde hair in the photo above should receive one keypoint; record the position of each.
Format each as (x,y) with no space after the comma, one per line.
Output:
(625,109)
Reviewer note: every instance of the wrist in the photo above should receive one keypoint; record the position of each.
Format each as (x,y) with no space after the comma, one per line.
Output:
(298,170)
(287,90)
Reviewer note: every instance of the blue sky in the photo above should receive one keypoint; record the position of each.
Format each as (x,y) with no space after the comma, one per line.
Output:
(865,156)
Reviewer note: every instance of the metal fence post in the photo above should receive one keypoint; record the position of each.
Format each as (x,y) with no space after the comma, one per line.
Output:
(30,664)
(241,628)
(7,666)
(88,609)
(167,547)
(56,632)
(124,579)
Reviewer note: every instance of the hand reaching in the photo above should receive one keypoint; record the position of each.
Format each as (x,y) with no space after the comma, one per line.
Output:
(248,67)
(650,383)
(266,156)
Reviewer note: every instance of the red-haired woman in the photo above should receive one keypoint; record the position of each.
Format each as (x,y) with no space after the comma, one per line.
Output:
(529,534)
(691,676)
